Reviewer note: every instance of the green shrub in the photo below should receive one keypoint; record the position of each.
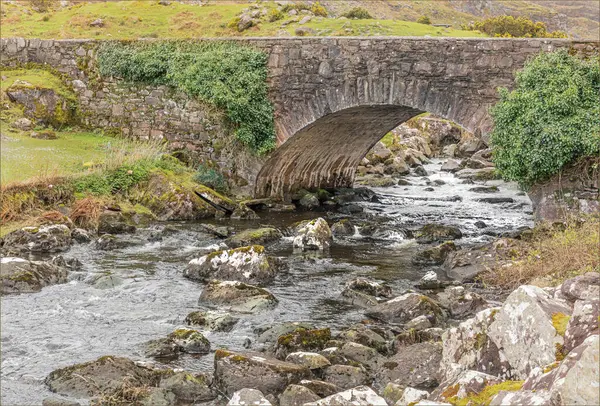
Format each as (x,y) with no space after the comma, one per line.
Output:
(230,76)
(295,6)
(509,26)
(318,9)
(424,20)
(210,177)
(550,119)
(357,13)
(274,15)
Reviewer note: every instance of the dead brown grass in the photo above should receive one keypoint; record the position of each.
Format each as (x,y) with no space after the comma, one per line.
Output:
(552,256)
(85,212)
(53,217)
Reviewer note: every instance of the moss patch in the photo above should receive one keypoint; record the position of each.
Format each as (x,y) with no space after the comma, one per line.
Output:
(484,397)
(560,322)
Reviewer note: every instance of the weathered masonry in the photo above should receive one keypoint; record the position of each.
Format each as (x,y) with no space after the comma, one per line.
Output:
(334,97)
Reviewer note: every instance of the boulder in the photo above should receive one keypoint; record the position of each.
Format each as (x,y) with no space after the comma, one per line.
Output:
(23,276)
(346,376)
(437,233)
(355,352)
(430,281)
(81,236)
(359,396)
(375,181)
(245,264)
(243,212)
(582,287)
(583,322)
(396,167)
(449,151)
(309,201)
(413,157)
(42,104)
(484,189)
(188,387)
(477,174)
(259,236)
(301,339)
(52,238)
(270,334)
(238,296)
(460,303)
(161,348)
(451,165)
(404,308)
(465,265)
(363,292)
(469,146)
(311,360)
(190,341)
(108,242)
(236,371)
(475,163)
(467,383)
(420,171)
(248,397)
(342,228)
(379,154)
(321,388)
(410,396)
(114,222)
(212,320)
(313,235)
(416,365)
(530,398)
(23,124)
(104,375)
(434,256)
(365,335)
(297,395)
(525,344)
(468,346)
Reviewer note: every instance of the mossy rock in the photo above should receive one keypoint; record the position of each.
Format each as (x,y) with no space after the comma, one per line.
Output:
(302,340)
(259,236)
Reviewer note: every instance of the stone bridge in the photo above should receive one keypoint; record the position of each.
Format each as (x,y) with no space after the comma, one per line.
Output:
(335,98)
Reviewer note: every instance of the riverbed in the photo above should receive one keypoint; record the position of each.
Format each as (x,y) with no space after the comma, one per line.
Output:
(83,320)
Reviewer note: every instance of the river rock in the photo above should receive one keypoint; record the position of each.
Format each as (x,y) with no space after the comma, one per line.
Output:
(582,287)
(189,388)
(52,238)
(513,332)
(359,396)
(103,375)
(114,222)
(81,236)
(396,167)
(190,341)
(434,256)
(212,320)
(109,242)
(365,335)
(302,340)
(484,189)
(417,366)
(235,371)
(297,395)
(239,296)
(311,360)
(477,174)
(248,397)
(468,346)
(449,151)
(461,303)
(466,264)
(270,334)
(362,354)
(451,165)
(379,154)
(245,264)
(363,292)
(259,236)
(496,200)
(342,228)
(346,376)
(23,276)
(411,396)
(321,388)
(583,323)
(404,308)
(59,402)
(465,384)
(313,235)
(309,201)
(161,348)
(430,281)
(437,232)
(420,171)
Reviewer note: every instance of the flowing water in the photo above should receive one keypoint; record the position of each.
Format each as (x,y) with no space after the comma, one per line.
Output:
(77,322)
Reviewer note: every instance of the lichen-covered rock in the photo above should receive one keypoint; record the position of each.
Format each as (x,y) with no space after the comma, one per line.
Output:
(524,330)
(109,242)
(114,222)
(379,153)
(410,396)
(270,334)
(403,308)
(437,232)
(243,212)
(254,236)
(346,376)
(477,174)
(529,398)
(103,375)
(309,201)
(366,356)
(582,287)
(365,293)
(396,167)
(23,276)
(246,264)
(187,387)
(235,371)
(358,396)
(81,236)
(190,341)
(311,360)
(297,395)
(417,366)
(247,397)
(321,388)
(584,322)
(161,348)
(212,320)
(434,256)
(302,340)
(431,281)
(52,238)
(575,381)
(313,235)
(461,303)
(238,296)
(365,335)
(342,228)
(464,265)
(43,104)
(469,346)
(465,384)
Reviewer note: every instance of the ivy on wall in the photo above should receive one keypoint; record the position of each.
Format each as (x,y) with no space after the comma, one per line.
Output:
(229,76)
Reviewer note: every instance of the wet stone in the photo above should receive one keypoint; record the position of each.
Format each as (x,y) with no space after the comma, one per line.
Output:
(212,320)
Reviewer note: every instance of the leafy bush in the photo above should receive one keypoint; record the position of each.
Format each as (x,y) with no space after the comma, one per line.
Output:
(211,177)
(424,20)
(319,10)
(357,13)
(509,26)
(295,6)
(230,76)
(549,120)
(274,15)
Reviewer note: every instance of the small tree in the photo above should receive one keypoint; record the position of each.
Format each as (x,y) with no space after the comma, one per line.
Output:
(509,26)
(550,119)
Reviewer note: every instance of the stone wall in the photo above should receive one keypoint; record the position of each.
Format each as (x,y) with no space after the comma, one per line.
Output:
(334,97)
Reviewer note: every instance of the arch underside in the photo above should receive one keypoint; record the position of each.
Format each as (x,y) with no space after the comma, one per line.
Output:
(325,153)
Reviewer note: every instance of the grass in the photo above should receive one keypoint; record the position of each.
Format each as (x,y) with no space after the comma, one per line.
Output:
(138,19)
(484,397)
(38,78)
(554,255)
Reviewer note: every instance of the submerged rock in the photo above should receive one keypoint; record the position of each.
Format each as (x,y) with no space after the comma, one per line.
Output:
(212,320)
(23,276)
(52,238)
(238,296)
(309,201)
(258,236)
(235,371)
(245,264)
(313,235)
